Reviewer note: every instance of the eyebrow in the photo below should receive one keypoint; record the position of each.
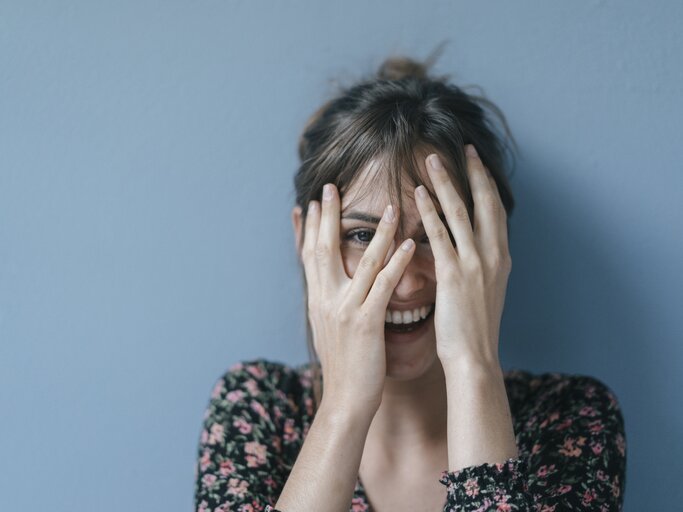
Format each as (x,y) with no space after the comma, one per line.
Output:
(371,219)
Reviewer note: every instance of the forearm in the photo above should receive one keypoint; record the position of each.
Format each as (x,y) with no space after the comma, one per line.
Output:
(326,470)
(479,420)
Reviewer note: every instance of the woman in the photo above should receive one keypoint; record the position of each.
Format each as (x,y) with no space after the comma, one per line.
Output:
(401,227)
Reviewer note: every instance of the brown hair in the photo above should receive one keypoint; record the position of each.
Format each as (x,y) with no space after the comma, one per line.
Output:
(392,117)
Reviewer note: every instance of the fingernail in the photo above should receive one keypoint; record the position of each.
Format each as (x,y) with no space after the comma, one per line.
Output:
(389,214)
(421,192)
(312,206)
(407,245)
(327,192)
(471,151)
(435,162)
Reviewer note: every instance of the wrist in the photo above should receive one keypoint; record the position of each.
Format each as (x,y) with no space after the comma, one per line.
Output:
(472,365)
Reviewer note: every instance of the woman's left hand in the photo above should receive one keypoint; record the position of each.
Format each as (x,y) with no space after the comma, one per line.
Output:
(471,278)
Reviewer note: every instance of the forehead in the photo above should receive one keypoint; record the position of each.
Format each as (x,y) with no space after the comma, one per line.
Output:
(369,192)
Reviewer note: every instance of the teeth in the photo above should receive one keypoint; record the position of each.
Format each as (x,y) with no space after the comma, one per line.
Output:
(407,317)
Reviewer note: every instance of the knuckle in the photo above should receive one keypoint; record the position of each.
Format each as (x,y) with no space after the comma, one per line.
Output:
(368,262)
(473,263)
(441,234)
(460,212)
(343,314)
(383,281)
(322,251)
(491,202)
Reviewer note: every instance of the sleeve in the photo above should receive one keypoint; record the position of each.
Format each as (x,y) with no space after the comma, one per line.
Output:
(239,467)
(577,459)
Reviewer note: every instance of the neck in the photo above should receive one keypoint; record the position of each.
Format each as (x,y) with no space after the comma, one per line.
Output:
(411,422)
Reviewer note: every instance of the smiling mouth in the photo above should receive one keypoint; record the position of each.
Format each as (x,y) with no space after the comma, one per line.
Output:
(408,327)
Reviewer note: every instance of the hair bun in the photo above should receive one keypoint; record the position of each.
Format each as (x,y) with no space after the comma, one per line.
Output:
(396,68)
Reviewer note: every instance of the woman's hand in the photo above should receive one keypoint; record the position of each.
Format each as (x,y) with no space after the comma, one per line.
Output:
(471,278)
(347,315)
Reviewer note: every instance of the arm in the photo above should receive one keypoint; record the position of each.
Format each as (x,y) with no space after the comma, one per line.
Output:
(240,462)
(326,470)
(576,460)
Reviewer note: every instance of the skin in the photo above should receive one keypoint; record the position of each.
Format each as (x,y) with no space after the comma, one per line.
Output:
(443,402)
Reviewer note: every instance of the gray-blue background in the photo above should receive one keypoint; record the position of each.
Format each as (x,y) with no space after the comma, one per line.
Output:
(147,151)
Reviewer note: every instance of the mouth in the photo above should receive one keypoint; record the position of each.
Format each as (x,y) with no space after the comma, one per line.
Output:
(413,326)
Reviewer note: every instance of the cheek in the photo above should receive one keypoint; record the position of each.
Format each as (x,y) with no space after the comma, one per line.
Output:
(350,258)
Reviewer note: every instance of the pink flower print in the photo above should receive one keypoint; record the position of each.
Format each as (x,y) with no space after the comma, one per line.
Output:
(587,410)
(235,396)
(257,372)
(471,487)
(601,475)
(581,441)
(227,467)
(596,426)
(569,449)
(597,448)
(247,507)
(203,506)
(242,425)
(291,434)
(616,490)
(357,505)
(258,408)
(205,460)
(542,471)
(218,389)
(588,496)
(548,508)
(236,367)
(535,449)
(552,417)
(237,487)
(503,507)
(565,424)
(564,489)
(205,436)
(590,392)
(216,435)
(252,387)
(208,480)
(621,444)
(256,454)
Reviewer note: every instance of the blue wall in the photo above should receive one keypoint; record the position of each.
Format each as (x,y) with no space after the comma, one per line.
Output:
(147,151)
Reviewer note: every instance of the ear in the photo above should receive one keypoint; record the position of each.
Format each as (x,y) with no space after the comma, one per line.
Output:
(297,222)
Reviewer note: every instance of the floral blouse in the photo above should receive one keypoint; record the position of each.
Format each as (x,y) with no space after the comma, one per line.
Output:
(569,431)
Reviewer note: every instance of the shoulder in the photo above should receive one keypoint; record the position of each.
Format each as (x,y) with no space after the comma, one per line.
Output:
(564,397)
(555,384)
(267,389)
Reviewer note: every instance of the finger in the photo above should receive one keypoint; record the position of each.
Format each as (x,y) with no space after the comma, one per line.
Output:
(328,251)
(388,278)
(439,239)
(488,207)
(374,257)
(453,206)
(312,225)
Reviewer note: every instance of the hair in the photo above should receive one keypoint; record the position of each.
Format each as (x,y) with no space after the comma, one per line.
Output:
(393,118)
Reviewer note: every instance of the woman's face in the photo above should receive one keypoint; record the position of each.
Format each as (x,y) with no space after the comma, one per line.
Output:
(409,354)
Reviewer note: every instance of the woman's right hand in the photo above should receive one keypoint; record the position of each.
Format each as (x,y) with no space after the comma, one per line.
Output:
(347,314)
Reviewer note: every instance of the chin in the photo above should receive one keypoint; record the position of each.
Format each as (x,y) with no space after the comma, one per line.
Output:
(408,361)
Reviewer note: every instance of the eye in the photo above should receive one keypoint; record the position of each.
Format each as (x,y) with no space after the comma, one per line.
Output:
(362,237)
